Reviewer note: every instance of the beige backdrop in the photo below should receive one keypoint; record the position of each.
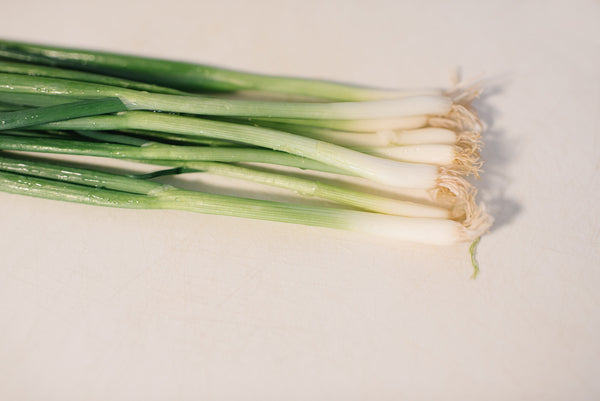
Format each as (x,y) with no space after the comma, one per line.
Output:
(102,304)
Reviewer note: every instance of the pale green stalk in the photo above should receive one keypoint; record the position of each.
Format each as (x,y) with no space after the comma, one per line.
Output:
(156,151)
(354,125)
(301,186)
(190,76)
(381,138)
(423,230)
(139,100)
(313,188)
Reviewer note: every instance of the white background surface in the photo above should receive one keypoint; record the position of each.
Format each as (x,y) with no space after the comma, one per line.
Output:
(101,304)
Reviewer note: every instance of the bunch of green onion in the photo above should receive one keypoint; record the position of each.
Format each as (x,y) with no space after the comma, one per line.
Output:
(312,137)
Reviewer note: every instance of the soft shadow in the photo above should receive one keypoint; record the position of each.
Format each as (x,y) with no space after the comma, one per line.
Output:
(497,154)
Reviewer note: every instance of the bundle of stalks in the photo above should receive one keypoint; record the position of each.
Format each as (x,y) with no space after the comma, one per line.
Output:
(186,118)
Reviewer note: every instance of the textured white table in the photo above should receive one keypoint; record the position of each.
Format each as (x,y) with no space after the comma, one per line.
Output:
(101,304)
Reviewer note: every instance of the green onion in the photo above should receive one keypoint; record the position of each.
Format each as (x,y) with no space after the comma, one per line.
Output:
(354,125)
(305,187)
(143,194)
(75,175)
(156,151)
(204,105)
(374,139)
(188,76)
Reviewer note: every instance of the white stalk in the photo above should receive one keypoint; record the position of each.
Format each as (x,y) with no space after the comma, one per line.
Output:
(463,156)
(354,125)
(420,230)
(372,139)
(441,155)
(316,188)
(375,109)
(427,135)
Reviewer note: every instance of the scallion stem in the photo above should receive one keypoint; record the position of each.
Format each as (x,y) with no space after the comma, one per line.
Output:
(301,186)
(423,230)
(204,105)
(189,76)
(315,188)
(156,151)
(442,155)
(75,175)
(380,138)
(354,125)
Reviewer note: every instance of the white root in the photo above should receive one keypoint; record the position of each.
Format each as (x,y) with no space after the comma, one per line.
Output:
(477,225)
(467,158)
(459,195)
(460,118)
